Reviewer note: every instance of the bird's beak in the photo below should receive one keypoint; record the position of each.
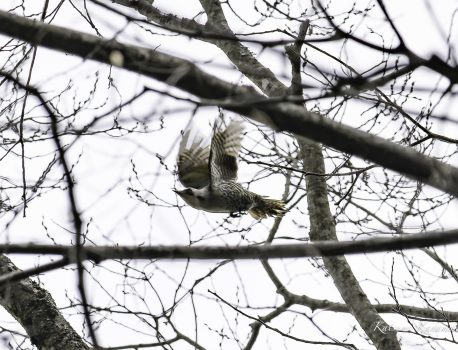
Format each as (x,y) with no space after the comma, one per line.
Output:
(178,192)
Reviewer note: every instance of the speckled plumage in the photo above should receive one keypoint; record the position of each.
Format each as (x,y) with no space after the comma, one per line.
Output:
(237,198)
(216,190)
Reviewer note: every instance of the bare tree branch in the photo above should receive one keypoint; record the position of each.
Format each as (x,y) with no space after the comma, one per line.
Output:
(322,224)
(318,248)
(273,112)
(327,305)
(21,274)
(35,310)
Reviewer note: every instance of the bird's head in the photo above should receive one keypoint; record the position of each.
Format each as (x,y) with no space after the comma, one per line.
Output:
(189,196)
(187,192)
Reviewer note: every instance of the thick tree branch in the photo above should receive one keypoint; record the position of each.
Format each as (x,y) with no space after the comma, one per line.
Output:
(21,274)
(323,227)
(217,32)
(318,248)
(35,310)
(244,100)
(239,54)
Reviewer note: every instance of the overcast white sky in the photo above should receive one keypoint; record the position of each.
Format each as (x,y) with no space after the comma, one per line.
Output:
(104,174)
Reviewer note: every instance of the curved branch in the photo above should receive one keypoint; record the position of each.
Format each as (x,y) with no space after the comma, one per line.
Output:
(426,314)
(243,100)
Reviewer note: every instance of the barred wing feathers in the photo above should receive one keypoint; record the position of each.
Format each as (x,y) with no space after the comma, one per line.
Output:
(225,148)
(193,161)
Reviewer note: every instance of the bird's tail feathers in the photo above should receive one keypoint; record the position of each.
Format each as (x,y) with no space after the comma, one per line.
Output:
(267,207)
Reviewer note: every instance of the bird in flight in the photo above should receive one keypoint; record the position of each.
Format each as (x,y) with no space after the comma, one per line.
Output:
(209,174)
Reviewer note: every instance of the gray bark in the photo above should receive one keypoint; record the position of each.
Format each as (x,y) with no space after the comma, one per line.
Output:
(34,308)
(282,116)
(322,227)
(274,112)
(319,247)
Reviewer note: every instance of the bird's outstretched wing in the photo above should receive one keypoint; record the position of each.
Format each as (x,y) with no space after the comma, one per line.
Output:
(193,161)
(225,147)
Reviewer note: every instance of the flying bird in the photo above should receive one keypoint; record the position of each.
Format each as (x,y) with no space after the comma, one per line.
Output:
(209,174)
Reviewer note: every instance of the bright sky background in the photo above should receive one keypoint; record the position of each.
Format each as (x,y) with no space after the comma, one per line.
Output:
(104,174)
